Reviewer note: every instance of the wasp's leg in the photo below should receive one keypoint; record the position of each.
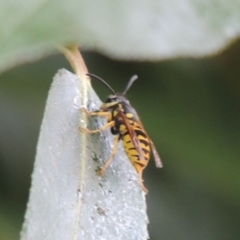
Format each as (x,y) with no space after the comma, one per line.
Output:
(86,130)
(139,166)
(114,151)
(97,113)
(141,182)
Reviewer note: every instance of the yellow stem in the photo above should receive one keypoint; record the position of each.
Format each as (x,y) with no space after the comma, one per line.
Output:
(76,61)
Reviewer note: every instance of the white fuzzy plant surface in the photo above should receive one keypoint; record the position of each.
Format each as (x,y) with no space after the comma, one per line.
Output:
(68,200)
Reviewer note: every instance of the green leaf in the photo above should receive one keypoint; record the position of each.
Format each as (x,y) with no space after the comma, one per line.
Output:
(141,30)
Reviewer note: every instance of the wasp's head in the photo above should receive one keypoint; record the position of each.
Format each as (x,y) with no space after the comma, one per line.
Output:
(111,102)
(116,100)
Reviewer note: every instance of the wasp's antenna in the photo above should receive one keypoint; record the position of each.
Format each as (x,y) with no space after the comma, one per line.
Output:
(106,84)
(131,81)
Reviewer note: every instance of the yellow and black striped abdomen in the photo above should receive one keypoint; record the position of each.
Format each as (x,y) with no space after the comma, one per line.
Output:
(133,154)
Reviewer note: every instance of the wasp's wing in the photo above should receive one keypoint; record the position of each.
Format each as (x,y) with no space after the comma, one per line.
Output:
(157,158)
(132,134)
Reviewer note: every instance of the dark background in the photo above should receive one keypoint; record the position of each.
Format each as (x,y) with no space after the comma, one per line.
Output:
(190,108)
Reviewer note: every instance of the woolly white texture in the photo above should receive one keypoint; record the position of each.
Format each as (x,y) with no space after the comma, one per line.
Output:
(112,207)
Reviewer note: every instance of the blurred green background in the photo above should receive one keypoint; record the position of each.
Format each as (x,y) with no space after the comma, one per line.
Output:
(190,108)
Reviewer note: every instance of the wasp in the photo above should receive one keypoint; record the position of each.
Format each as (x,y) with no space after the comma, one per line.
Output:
(124,122)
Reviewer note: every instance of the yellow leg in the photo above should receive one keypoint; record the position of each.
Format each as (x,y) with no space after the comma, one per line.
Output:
(139,166)
(114,151)
(86,130)
(100,113)
(141,182)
